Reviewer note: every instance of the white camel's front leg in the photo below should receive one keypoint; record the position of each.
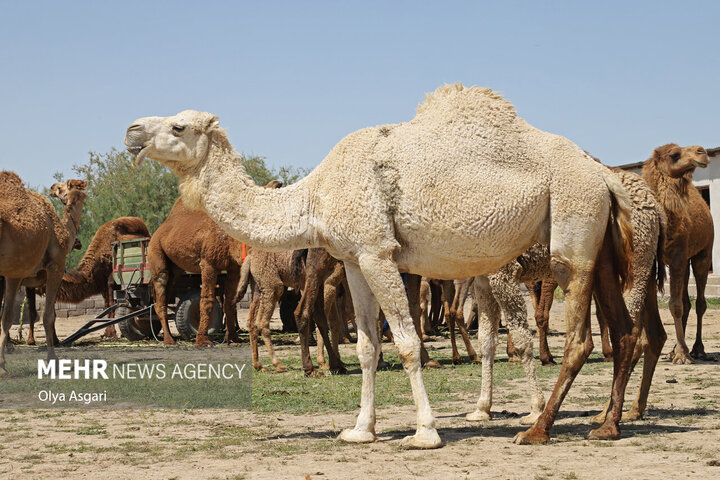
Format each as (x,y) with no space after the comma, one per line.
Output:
(488,320)
(383,278)
(368,351)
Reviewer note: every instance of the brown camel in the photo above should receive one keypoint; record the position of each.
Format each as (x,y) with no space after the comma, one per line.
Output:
(668,173)
(271,272)
(188,240)
(93,273)
(34,243)
(323,275)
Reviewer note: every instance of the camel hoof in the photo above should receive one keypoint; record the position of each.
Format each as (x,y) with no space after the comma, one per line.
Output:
(169,342)
(280,369)
(531,437)
(424,439)
(478,416)
(530,418)
(698,352)
(605,432)
(339,371)
(31,341)
(314,373)
(357,436)
(432,364)
(632,414)
(382,365)
(476,360)
(426,338)
(548,362)
(682,359)
(3,372)
(608,358)
(598,419)
(457,361)
(324,366)
(203,342)
(514,359)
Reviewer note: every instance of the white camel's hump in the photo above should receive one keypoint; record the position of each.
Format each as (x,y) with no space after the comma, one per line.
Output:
(457,101)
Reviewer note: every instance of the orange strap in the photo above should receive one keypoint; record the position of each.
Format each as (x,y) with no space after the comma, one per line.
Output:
(244,251)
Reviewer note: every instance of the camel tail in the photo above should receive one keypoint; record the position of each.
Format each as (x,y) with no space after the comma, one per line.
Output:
(622,231)
(245,279)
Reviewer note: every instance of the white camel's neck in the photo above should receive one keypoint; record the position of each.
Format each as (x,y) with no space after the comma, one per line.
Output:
(265,218)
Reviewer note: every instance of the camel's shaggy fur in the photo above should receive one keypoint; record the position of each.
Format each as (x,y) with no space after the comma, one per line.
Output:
(34,243)
(690,235)
(379,202)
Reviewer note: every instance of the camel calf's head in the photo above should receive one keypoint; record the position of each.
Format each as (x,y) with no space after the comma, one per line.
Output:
(68,191)
(677,161)
(181,142)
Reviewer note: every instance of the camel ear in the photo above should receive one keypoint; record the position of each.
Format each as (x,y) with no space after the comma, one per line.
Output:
(211,123)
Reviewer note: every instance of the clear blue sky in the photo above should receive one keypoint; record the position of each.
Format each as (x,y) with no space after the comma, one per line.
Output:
(290,79)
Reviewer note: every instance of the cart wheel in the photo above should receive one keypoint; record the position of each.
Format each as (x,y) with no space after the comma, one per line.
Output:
(137,328)
(187,316)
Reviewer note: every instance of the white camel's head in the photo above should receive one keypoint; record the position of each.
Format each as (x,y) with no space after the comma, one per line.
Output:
(181,142)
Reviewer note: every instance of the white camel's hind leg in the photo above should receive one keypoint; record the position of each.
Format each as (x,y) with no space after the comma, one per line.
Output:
(506,290)
(384,280)
(488,321)
(368,351)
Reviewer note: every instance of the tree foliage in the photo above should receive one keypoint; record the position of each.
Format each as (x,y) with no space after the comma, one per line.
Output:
(116,189)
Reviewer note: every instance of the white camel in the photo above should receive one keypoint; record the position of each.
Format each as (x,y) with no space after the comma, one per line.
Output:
(460,190)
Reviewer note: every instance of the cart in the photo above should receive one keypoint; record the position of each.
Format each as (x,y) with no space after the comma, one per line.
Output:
(133,301)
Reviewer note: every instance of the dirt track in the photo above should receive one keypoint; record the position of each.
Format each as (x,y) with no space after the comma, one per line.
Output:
(680,436)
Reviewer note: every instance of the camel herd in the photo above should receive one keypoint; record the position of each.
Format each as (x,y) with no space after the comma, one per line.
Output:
(466,193)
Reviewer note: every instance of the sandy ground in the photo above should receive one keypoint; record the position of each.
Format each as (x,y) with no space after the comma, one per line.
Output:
(679,438)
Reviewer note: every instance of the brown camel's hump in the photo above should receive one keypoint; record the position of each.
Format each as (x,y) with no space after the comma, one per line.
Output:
(11,179)
(131,226)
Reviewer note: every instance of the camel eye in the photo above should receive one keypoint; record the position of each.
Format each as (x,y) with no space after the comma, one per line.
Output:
(178,128)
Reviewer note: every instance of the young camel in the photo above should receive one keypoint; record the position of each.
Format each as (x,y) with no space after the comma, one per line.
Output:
(92,275)
(323,275)
(34,242)
(379,203)
(271,272)
(188,240)
(690,235)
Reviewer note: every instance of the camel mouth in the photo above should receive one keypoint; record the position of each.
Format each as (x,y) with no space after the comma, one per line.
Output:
(139,153)
(701,164)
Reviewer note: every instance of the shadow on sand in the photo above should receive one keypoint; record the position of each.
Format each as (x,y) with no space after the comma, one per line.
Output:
(575,432)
